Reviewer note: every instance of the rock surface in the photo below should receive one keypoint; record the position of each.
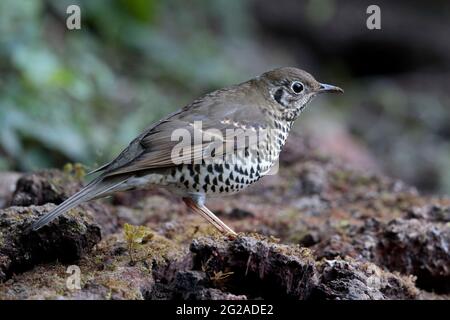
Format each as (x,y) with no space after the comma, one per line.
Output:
(67,240)
(317,230)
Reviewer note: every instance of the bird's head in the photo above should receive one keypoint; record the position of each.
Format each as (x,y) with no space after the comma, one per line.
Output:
(290,89)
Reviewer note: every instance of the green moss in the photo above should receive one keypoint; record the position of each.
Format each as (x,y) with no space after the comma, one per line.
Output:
(194,227)
(143,244)
(78,228)
(161,249)
(295,250)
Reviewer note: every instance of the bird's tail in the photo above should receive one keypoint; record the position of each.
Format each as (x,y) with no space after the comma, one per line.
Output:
(95,189)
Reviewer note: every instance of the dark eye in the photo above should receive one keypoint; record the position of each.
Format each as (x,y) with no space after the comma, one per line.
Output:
(297,87)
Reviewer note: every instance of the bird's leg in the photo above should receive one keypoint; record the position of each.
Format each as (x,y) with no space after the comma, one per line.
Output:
(201,209)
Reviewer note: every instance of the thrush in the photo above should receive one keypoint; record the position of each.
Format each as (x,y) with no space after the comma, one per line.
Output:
(242,130)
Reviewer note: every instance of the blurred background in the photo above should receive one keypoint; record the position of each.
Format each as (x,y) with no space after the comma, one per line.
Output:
(82,95)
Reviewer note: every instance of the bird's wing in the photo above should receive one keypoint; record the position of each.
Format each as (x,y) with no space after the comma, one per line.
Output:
(133,150)
(154,147)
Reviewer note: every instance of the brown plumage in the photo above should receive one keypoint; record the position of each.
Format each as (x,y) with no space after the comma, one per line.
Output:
(269,103)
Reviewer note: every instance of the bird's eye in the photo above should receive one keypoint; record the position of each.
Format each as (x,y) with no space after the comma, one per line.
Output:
(297,87)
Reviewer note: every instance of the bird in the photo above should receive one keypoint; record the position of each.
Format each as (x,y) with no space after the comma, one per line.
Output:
(239,132)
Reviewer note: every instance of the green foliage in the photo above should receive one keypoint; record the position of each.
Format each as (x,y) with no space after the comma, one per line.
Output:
(76,169)
(134,236)
(82,95)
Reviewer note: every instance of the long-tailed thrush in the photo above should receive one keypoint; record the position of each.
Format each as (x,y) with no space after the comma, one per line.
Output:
(243,129)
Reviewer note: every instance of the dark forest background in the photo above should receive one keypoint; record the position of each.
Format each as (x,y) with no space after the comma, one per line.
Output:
(81,96)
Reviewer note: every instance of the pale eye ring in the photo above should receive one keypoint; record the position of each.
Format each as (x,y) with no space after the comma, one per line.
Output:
(297,87)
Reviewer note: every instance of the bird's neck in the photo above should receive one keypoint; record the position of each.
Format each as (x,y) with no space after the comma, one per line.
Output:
(279,130)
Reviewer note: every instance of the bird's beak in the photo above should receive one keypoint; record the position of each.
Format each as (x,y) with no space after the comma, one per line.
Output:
(329,88)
